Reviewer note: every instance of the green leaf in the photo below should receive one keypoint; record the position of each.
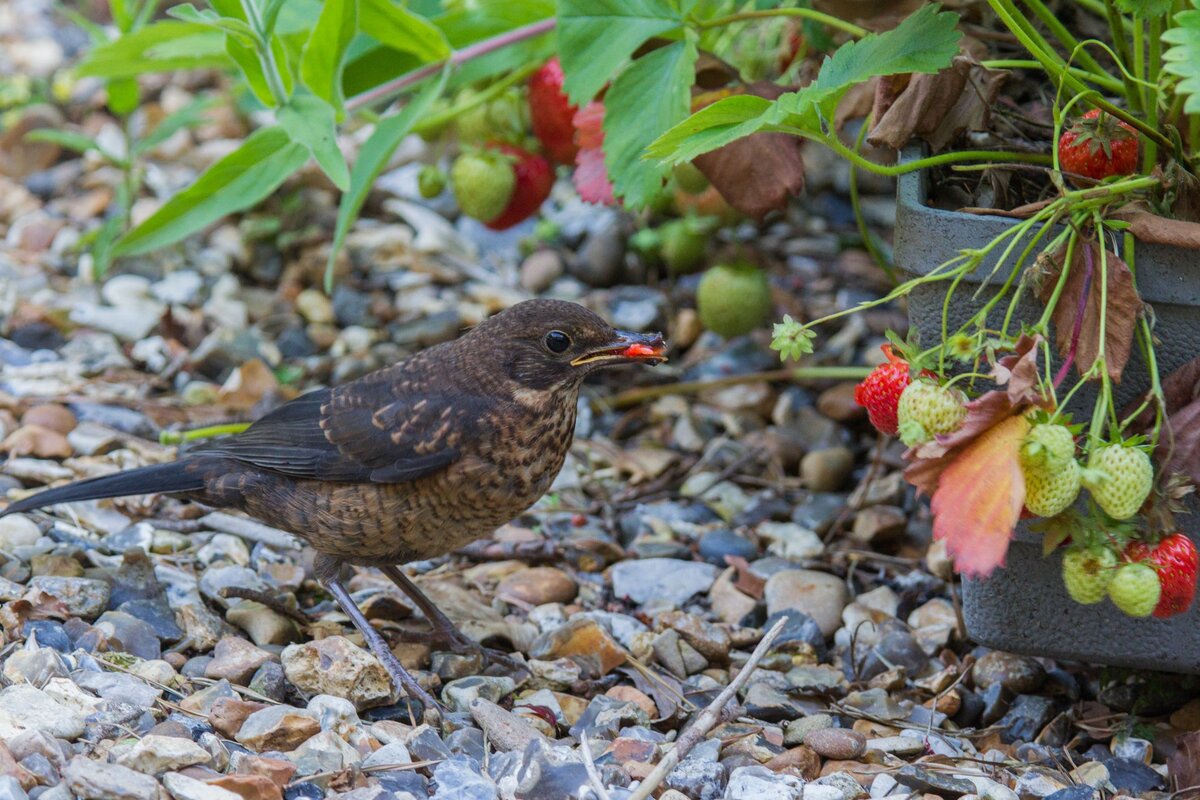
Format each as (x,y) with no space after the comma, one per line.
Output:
(78,142)
(321,64)
(162,47)
(630,123)
(1144,9)
(189,116)
(373,157)
(926,41)
(1183,57)
(595,37)
(310,122)
(247,60)
(122,95)
(239,180)
(237,28)
(399,28)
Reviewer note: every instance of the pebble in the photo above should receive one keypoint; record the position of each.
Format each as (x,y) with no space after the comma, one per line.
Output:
(334,665)
(540,269)
(585,641)
(83,597)
(670,580)
(183,787)
(278,728)
(761,783)
(1017,674)
(827,469)
(538,585)
(155,754)
(235,660)
(791,540)
(18,530)
(715,545)
(818,594)
(129,634)
(96,780)
(23,707)
(839,743)
(458,694)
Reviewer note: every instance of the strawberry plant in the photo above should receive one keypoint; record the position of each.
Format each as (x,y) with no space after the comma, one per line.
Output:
(1058,316)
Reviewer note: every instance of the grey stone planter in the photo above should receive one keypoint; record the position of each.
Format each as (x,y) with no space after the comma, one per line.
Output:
(1024,606)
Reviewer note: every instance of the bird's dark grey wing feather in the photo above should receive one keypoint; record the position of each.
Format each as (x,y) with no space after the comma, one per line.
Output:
(366,431)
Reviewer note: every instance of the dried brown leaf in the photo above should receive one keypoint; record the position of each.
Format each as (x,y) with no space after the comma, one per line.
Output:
(760,172)
(1179,446)
(1184,764)
(936,107)
(1081,297)
(747,581)
(1153,229)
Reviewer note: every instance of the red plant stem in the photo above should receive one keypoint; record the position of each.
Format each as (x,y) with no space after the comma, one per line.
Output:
(386,90)
(1080,307)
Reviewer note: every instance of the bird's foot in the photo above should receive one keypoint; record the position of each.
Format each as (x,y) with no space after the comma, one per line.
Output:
(455,641)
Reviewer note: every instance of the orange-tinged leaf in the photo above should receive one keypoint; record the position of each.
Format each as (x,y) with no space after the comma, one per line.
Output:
(979,498)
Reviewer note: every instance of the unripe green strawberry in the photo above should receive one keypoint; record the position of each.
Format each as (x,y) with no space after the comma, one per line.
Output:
(482,182)
(1119,478)
(690,178)
(431,181)
(1049,446)
(1135,589)
(1049,492)
(733,299)
(927,409)
(1087,572)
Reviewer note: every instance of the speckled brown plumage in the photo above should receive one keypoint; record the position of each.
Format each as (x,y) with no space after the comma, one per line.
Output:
(411,461)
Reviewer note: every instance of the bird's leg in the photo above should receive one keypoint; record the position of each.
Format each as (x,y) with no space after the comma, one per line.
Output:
(379,647)
(444,630)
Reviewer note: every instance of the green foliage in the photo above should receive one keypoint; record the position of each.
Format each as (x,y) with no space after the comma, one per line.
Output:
(595,37)
(1183,57)
(238,181)
(630,123)
(321,66)
(925,42)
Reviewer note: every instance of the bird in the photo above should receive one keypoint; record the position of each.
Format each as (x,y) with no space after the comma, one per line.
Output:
(405,463)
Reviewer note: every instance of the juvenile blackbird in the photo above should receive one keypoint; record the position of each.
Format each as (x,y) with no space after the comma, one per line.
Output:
(408,462)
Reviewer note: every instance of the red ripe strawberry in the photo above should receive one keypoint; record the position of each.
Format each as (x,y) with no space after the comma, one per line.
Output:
(534,179)
(551,113)
(1098,146)
(1176,560)
(880,391)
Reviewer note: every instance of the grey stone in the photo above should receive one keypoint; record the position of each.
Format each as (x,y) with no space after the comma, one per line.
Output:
(1026,718)
(183,787)
(24,707)
(671,580)
(129,634)
(154,754)
(931,782)
(1018,674)
(762,784)
(83,597)
(99,781)
(818,594)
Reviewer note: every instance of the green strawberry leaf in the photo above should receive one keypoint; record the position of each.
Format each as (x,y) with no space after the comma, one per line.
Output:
(595,37)
(1183,57)
(630,123)
(1144,9)
(926,41)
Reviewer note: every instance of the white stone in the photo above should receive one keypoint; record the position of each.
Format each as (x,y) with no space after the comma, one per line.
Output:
(23,707)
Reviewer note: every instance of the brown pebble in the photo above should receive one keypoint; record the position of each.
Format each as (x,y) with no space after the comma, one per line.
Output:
(249,787)
(278,770)
(228,714)
(52,416)
(630,694)
(539,585)
(838,743)
(36,441)
(838,403)
(802,761)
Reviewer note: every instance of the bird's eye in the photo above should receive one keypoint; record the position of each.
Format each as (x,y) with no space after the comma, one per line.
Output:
(557,342)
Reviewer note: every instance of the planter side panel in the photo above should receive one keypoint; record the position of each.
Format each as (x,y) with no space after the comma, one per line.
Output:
(1024,607)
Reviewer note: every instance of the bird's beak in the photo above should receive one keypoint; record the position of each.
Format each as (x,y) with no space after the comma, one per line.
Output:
(627,347)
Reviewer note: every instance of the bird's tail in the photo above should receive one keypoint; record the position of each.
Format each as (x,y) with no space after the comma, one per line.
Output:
(174,476)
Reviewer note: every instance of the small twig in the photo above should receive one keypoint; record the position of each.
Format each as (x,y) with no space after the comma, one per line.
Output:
(708,718)
(250,530)
(267,599)
(632,397)
(592,773)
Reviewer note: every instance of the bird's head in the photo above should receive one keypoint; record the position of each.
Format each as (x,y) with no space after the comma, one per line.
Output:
(543,344)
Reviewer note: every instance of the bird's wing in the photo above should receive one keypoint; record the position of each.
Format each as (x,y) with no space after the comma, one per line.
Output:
(365,431)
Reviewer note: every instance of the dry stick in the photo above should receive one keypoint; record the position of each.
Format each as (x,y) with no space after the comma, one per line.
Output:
(592,773)
(632,397)
(707,719)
